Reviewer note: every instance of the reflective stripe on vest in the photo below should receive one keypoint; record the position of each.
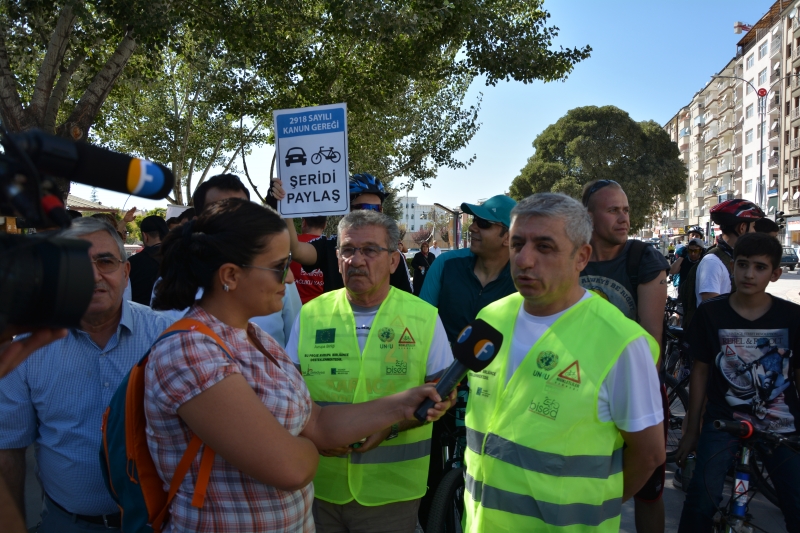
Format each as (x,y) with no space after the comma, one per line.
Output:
(394,359)
(537,457)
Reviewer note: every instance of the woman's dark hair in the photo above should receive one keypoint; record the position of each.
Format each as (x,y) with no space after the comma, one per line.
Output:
(753,244)
(233,230)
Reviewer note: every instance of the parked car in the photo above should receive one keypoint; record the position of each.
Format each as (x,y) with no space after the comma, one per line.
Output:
(789,258)
(411,253)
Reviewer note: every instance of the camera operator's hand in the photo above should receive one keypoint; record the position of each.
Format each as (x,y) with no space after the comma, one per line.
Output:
(276,189)
(12,353)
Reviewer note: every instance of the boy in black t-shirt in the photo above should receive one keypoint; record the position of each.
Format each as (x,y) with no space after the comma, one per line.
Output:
(744,347)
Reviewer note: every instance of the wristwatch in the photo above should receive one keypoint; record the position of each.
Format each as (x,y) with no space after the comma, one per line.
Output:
(393,433)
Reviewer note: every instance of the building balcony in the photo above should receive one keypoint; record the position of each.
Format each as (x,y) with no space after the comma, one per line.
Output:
(684,147)
(794,174)
(772,162)
(723,148)
(795,23)
(773,135)
(774,105)
(737,174)
(794,144)
(774,77)
(737,128)
(796,113)
(775,46)
(709,154)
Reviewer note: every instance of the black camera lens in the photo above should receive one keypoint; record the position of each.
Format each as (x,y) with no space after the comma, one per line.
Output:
(44,281)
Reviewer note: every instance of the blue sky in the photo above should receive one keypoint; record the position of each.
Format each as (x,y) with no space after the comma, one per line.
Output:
(649,58)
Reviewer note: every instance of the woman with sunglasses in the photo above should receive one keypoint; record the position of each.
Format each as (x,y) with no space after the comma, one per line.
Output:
(253,409)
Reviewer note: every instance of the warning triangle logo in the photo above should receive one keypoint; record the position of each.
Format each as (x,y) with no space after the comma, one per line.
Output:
(572,373)
(740,488)
(397,322)
(406,338)
(729,351)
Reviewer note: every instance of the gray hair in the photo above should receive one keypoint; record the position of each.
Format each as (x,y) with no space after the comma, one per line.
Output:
(361,218)
(86,225)
(577,222)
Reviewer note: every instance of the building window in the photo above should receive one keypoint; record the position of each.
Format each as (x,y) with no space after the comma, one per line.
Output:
(762,77)
(748,186)
(763,49)
(412,227)
(748,113)
(750,61)
(748,136)
(748,161)
(749,89)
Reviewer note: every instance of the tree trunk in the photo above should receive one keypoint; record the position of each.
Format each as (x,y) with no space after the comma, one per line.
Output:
(10,103)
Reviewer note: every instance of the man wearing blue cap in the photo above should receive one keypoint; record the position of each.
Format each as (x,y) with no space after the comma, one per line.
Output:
(461,283)
(470,279)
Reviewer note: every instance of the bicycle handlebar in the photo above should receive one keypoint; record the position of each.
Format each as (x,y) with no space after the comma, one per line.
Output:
(745,430)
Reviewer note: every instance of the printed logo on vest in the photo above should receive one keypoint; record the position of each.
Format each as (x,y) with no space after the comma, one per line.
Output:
(547,408)
(386,334)
(482,392)
(325,336)
(406,338)
(570,377)
(311,372)
(398,369)
(339,371)
(547,360)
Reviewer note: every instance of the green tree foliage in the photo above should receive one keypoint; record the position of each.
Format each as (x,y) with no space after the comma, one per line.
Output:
(591,143)
(402,67)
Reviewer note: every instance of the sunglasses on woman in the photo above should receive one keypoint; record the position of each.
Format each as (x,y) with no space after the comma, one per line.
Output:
(284,271)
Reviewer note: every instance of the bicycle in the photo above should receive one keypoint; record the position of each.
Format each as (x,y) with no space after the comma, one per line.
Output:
(734,517)
(330,154)
(447,506)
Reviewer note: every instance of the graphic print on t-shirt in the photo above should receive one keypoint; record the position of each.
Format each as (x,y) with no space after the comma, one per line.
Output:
(755,365)
(613,292)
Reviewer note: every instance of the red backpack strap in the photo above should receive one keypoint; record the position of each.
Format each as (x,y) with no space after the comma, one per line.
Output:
(189,324)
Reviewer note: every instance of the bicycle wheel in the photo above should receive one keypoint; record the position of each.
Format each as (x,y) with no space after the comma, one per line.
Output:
(762,480)
(447,507)
(678,406)
(734,371)
(335,156)
(316,158)
(672,357)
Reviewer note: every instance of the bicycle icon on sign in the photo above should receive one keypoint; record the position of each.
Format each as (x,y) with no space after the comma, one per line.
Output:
(330,154)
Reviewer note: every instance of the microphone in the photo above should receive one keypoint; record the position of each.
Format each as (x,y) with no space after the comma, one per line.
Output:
(95,166)
(475,349)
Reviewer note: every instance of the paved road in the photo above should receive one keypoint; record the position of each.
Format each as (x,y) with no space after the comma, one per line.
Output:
(787,286)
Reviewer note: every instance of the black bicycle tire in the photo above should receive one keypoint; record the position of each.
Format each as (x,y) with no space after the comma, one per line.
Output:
(672,357)
(336,156)
(442,501)
(674,389)
(763,485)
(316,159)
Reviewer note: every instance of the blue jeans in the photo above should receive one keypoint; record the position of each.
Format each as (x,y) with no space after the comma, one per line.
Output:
(716,453)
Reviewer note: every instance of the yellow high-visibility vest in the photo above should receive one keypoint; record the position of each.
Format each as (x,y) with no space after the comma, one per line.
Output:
(394,359)
(538,457)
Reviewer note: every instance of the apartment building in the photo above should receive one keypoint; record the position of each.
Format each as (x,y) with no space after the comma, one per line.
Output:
(740,135)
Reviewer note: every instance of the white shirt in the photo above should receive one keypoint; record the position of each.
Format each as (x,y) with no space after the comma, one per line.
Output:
(712,276)
(439,358)
(435,250)
(630,396)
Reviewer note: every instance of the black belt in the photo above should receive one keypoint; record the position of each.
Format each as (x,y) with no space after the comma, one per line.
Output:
(111,521)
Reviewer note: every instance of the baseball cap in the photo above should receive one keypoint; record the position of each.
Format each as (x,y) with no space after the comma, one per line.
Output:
(495,209)
(154,223)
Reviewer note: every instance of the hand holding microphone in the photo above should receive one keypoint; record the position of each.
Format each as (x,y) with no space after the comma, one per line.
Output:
(475,349)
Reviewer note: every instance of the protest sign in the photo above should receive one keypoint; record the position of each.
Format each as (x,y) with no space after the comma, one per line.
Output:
(311,152)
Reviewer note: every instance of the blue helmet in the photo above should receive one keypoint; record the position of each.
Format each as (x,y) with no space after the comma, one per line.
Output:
(366,184)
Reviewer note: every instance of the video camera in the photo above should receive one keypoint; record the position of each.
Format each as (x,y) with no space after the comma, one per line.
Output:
(47,280)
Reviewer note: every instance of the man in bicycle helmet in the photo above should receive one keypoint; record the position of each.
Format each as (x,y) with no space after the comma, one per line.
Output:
(715,271)
(366,192)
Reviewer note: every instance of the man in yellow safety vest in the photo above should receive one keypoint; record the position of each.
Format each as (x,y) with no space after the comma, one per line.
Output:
(568,423)
(362,342)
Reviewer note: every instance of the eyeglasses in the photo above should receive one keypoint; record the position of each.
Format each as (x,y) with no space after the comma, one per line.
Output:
(482,223)
(367,207)
(695,251)
(282,271)
(107,265)
(596,187)
(368,251)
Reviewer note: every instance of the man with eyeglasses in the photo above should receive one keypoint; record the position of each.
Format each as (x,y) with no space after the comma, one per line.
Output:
(631,275)
(56,397)
(362,342)
(366,194)
(688,256)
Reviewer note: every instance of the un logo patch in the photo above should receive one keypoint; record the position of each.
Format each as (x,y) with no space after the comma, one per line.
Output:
(547,360)
(386,335)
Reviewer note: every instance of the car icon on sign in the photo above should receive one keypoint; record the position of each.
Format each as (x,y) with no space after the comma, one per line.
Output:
(295,155)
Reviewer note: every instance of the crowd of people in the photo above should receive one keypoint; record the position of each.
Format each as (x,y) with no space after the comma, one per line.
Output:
(315,350)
